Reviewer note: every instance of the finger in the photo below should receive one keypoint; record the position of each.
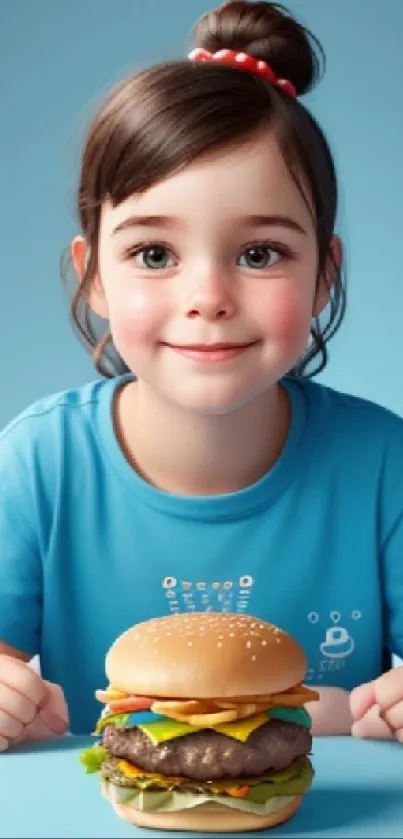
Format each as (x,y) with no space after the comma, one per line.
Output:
(14,703)
(52,721)
(10,727)
(21,678)
(372,727)
(388,689)
(54,714)
(39,730)
(394,716)
(362,699)
(399,735)
(3,744)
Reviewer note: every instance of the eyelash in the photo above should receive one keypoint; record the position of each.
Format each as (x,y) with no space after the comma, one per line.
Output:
(282,250)
(145,246)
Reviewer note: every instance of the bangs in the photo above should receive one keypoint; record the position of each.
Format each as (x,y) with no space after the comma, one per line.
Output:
(165,118)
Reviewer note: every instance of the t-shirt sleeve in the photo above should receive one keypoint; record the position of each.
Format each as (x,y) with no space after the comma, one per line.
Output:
(20,561)
(391,544)
(392,583)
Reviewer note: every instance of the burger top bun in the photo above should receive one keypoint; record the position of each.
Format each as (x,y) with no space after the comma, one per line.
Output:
(205,655)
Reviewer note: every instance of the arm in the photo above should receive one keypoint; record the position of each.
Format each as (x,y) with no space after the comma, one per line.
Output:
(331,715)
(20,555)
(377,707)
(359,713)
(30,708)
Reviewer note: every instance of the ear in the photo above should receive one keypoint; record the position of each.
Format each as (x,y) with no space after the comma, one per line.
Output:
(333,263)
(95,295)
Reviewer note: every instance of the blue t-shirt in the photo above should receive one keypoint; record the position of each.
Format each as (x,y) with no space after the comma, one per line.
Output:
(88,548)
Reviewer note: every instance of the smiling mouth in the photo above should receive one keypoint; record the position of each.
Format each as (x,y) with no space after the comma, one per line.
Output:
(211,352)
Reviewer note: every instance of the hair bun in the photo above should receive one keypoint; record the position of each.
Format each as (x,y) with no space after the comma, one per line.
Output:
(268,32)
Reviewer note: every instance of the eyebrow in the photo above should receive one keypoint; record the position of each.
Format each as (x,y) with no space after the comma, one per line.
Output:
(146,221)
(273,221)
(173,221)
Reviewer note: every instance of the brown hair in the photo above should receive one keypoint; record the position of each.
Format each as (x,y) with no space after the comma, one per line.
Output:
(159,120)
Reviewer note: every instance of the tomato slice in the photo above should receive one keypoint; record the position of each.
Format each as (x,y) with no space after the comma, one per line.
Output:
(237,792)
(131,703)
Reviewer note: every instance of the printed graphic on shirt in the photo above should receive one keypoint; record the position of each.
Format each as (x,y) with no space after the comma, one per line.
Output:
(336,643)
(208,596)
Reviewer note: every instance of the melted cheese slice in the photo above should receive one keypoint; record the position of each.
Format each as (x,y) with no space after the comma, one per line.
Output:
(131,771)
(166,729)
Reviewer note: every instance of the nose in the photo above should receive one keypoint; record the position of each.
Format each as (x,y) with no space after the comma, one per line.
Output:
(211,296)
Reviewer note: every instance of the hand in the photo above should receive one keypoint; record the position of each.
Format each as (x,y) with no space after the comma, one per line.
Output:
(30,707)
(377,707)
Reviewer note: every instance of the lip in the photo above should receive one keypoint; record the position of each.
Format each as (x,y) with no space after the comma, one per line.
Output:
(210,353)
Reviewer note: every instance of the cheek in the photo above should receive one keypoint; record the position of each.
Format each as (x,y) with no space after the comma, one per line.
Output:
(137,318)
(285,315)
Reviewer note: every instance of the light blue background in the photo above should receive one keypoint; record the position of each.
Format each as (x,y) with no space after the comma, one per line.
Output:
(57,58)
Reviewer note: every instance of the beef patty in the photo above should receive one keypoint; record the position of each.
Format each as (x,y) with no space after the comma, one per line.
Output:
(208,755)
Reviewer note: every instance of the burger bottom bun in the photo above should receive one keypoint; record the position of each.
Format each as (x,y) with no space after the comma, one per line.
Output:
(204,819)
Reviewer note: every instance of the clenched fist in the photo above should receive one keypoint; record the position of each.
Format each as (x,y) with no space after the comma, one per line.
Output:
(30,707)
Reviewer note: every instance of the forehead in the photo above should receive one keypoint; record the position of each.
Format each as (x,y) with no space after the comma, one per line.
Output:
(249,178)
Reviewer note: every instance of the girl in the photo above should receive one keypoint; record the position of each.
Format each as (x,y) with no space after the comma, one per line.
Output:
(205,469)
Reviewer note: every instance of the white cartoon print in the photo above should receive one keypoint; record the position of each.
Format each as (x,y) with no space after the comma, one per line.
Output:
(336,646)
(338,643)
(208,596)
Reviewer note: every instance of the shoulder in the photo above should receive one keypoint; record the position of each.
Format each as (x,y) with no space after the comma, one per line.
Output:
(56,423)
(356,442)
(348,416)
(45,409)
(70,405)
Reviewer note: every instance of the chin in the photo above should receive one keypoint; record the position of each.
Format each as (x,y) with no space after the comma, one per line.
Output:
(221,399)
(199,742)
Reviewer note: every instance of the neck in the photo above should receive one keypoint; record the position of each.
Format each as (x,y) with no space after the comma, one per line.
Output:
(192,454)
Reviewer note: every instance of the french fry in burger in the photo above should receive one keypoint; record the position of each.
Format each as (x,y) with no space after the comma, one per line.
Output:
(203,726)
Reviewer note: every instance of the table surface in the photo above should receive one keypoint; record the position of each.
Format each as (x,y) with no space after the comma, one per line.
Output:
(357,791)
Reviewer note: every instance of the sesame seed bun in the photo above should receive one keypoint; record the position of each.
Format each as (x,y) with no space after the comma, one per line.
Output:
(205,655)
(207,818)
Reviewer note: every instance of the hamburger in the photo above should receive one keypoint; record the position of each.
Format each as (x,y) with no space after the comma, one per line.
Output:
(203,726)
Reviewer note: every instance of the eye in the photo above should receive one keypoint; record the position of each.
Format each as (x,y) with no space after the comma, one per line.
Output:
(154,257)
(259,257)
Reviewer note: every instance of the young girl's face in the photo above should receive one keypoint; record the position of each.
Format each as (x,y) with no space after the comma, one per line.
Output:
(208,278)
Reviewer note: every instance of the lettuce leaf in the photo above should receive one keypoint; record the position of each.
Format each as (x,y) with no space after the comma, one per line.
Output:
(93,758)
(294,780)
(173,800)
(119,720)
